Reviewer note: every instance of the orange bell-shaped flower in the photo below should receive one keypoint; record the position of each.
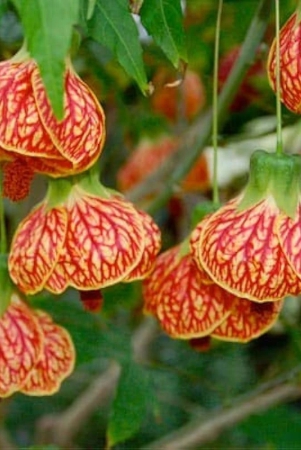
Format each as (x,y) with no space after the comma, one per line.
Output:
(20,345)
(242,252)
(250,246)
(36,355)
(29,130)
(87,241)
(290,64)
(55,362)
(182,297)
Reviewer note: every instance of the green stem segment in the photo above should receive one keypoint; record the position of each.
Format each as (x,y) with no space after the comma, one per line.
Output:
(215,103)
(279,148)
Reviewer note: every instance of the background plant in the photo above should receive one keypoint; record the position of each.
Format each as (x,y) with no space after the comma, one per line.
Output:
(134,387)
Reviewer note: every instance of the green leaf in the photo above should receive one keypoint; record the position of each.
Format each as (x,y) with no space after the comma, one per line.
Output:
(130,404)
(48,31)
(3,7)
(113,26)
(163,20)
(93,337)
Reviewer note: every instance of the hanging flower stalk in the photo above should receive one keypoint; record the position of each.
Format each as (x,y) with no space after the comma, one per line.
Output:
(84,236)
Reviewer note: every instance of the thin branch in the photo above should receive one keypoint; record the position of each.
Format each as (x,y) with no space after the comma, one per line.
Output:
(164,180)
(60,429)
(197,433)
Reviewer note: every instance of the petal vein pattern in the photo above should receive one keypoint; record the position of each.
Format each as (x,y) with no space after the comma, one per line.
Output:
(152,239)
(36,247)
(80,135)
(248,320)
(21,344)
(185,306)
(104,242)
(20,128)
(56,360)
(289,234)
(242,253)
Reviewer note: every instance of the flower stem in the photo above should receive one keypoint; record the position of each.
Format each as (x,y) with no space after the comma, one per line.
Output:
(215,103)
(279,147)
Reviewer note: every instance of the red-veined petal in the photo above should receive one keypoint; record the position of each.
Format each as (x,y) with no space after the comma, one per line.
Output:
(184,305)
(104,242)
(36,247)
(20,346)
(248,320)
(56,360)
(80,135)
(152,241)
(241,252)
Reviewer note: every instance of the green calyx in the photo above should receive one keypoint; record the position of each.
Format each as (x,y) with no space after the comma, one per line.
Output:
(58,191)
(276,175)
(6,285)
(89,182)
(202,210)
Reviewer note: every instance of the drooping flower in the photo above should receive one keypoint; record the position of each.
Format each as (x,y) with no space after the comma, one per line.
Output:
(55,362)
(189,305)
(290,64)
(251,246)
(182,297)
(87,238)
(36,355)
(29,131)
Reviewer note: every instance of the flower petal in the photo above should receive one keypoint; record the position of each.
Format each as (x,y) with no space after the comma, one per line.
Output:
(289,234)
(80,135)
(21,130)
(20,346)
(290,39)
(152,242)
(56,360)
(36,247)
(104,242)
(248,320)
(184,305)
(241,252)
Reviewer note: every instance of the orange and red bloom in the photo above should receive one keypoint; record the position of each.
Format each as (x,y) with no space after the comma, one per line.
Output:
(250,246)
(29,131)
(290,64)
(86,241)
(36,354)
(189,305)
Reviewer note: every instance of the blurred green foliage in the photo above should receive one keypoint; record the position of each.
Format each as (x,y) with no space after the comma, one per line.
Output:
(175,383)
